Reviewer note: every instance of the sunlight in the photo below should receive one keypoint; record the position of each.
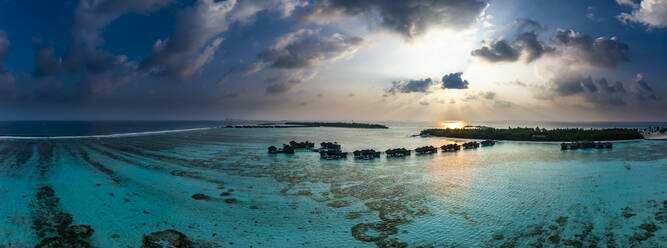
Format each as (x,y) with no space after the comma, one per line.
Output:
(453,124)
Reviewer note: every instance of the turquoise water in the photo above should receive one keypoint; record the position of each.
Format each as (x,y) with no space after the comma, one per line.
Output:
(512,194)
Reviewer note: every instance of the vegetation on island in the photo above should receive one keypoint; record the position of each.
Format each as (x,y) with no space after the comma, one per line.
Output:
(537,134)
(336,124)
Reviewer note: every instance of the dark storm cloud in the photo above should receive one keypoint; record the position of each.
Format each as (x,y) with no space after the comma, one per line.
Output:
(46,62)
(526,41)
(193,42)
(531,46)
(296,56)
(505,51)
(454,81)
(408,18)
(498,51)
(600,91)
(4,46)
(306,48)
(600,52)
(410,86)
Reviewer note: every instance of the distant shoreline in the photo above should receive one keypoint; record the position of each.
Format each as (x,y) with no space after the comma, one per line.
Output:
(537,134)
(533,141)
(313,124)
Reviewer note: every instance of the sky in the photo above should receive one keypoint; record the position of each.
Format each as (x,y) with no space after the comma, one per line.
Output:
(373,60)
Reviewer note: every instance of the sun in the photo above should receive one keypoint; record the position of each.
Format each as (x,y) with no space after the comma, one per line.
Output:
(453,124)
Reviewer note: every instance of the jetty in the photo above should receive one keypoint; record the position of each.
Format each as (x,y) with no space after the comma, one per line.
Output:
(366,154)
(585,145)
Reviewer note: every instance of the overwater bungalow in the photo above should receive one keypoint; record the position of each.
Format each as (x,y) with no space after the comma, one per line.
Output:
(585,145)
(450,147)
(366,154)
(329,146)
(286,149)
(397,153)
(471,145)
(488,143)
(302,145)
(332,154)
(426,150)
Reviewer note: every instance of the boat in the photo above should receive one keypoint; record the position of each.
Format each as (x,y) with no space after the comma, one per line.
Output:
(450,147)
(366,154)
(397,153)
(426,150)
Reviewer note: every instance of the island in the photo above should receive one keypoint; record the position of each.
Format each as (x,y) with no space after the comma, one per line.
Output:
(312,124)
(536,134)
(337,124)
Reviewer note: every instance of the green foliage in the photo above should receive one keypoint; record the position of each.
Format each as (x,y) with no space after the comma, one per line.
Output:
(337,124)
(663,130)
(535,134)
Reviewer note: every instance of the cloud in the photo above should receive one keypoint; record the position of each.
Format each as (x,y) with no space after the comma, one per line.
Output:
(651,13)
(566,44)
(599,52)
(407,18)
(641,90)
(498,51)
(454,81)
(4,47)
(502,104)
(600,91)
(483,95)
(193,41)
(284,80)
(296,56)
(410,86)
(489,95)
(46,62)
(307,48)
(525,42)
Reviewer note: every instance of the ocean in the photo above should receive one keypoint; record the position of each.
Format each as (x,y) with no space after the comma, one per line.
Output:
(218,187)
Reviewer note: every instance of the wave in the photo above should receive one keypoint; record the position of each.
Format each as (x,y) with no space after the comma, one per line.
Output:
(106,135)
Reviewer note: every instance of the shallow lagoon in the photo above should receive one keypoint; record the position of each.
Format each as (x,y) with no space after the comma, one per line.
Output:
(511,194)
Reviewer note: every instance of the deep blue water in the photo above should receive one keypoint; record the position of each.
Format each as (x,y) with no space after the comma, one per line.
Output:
(513,194)
(89,128)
